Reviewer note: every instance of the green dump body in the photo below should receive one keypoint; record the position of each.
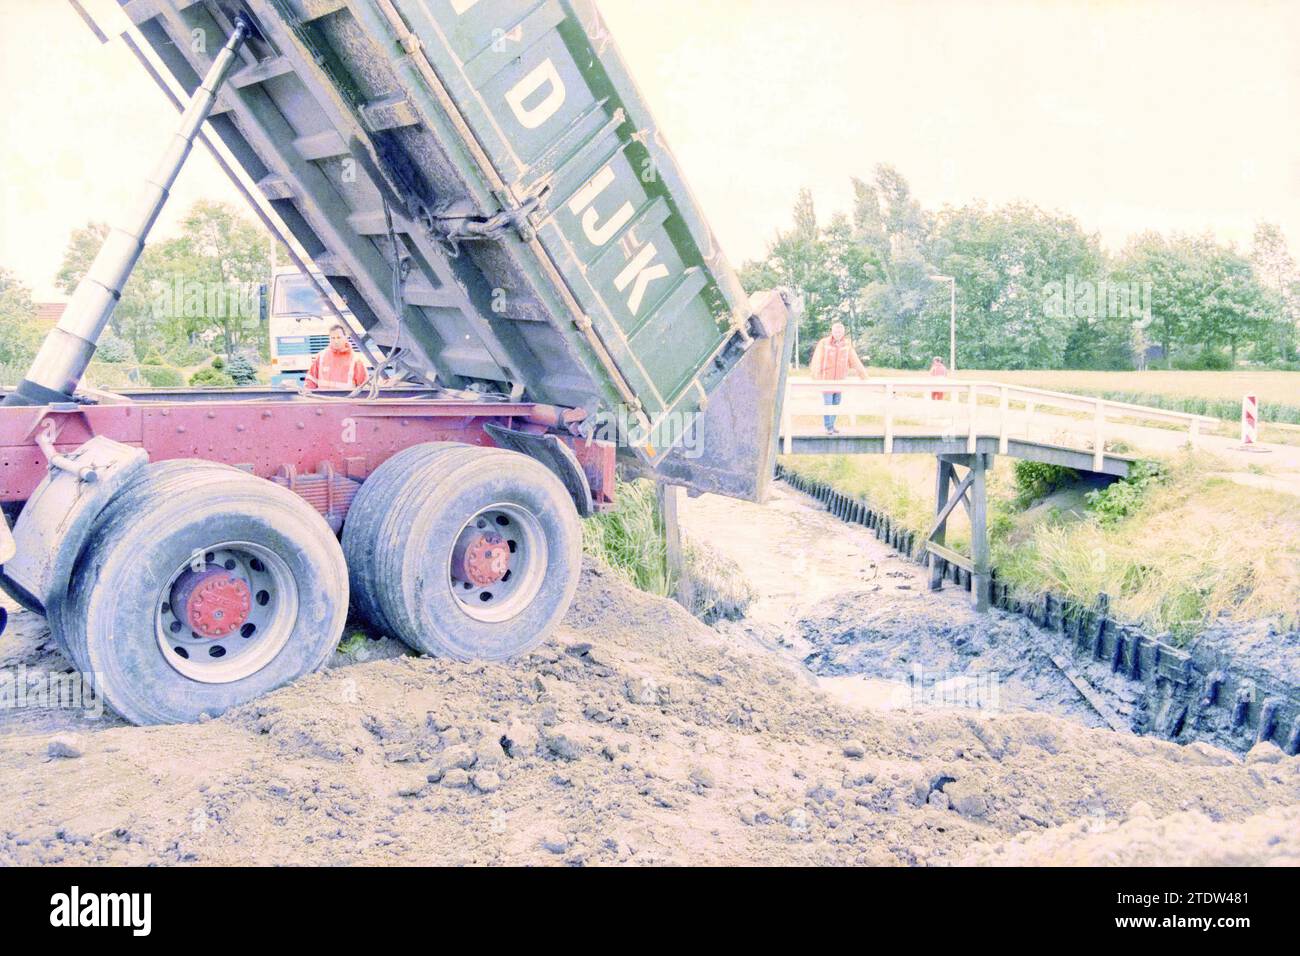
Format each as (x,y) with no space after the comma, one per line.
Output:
(549,246)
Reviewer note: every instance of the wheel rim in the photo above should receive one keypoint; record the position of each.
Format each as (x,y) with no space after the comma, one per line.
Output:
(498,562)
(226,613)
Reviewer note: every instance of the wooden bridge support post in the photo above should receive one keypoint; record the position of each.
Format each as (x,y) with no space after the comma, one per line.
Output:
(674,557)
(980,577)
(942,482)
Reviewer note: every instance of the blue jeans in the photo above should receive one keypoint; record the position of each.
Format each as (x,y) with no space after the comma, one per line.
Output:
(830,398)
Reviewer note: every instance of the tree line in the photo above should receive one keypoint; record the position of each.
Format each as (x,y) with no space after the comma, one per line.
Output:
(1033,290)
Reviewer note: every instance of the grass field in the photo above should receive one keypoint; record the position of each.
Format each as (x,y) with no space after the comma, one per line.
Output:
(1200,393)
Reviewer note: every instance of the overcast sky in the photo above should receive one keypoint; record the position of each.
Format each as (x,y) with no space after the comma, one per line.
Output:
(1127,114)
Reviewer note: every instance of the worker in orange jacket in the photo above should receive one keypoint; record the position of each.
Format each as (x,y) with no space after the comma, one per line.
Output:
(832,360)
(336,365)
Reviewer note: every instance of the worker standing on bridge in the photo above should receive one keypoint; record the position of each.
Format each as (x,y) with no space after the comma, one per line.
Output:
(336,365)
(832,360)
(938,370)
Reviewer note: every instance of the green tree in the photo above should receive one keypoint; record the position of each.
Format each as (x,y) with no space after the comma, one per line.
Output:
(1275,268)
(890,223)
(83,245)
(1008,262)
(847,269)
(1168,266)
(1235,310)
(231,251)
(201,281)
(133,319)
(796,259)
(1205,296)
(19,337)
(242,370)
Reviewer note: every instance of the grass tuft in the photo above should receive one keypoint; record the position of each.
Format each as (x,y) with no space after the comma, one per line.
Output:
(630,539)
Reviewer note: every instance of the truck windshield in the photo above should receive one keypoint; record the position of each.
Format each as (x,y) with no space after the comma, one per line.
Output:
(294,295)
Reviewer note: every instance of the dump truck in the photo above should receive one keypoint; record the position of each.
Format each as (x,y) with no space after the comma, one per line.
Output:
(480,185)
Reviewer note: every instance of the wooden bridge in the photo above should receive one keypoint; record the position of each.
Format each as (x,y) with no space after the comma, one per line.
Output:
(965,424)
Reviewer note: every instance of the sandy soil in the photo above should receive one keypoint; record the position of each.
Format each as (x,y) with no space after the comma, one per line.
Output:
(637,735)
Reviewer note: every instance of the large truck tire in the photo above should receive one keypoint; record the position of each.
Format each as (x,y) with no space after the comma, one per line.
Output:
(201,588)
(473,553)
(369,507)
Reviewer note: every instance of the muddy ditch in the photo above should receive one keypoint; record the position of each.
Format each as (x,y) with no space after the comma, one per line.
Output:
(1236,685)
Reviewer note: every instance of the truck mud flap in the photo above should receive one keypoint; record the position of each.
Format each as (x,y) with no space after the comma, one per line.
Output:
(555,455)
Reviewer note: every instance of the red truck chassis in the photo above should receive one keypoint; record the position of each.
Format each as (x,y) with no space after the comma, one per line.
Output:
(299,442)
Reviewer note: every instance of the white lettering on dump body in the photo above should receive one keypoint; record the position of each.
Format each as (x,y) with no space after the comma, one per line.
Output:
(542,75)
(584,197)
(640,269)
(536,98)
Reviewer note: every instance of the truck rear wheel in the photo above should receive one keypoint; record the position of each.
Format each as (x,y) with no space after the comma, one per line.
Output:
(202,588)
(368,509)
(473,553)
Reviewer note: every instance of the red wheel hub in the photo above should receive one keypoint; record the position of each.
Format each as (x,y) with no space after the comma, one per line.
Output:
(484,559)
(214,603)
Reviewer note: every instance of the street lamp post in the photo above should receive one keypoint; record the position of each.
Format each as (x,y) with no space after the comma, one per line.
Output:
(952,319)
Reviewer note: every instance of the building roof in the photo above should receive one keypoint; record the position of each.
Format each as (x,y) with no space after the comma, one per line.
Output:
(49,313)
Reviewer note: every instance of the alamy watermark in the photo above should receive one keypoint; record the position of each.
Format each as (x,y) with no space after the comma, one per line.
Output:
(22,687)
(933,691)
(624,427)
(191,299)
(1097,299)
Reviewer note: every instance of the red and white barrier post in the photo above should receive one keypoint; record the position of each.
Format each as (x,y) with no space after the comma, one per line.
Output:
(1250,420)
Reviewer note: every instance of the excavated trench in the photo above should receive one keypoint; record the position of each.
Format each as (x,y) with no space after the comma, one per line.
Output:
(837,589)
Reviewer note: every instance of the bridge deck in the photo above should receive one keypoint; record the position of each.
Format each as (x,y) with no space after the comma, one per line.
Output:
(848,443)
(944,416)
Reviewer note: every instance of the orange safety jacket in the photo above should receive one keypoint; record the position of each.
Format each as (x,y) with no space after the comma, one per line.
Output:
(333,369)
(832,360)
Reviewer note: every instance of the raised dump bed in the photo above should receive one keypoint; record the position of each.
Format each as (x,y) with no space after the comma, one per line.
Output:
(549,246)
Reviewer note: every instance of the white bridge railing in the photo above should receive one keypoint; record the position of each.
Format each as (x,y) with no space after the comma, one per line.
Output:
(969,409)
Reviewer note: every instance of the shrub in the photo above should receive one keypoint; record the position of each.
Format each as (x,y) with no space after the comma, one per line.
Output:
(211,376)
(152,358)
(105,375)
(115,350)
(630,538)
(187,354)
(1206,360)
(11,375)
(218,361)
(1124,497)
(1035,479)
(242,371)
(161,376)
